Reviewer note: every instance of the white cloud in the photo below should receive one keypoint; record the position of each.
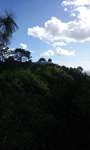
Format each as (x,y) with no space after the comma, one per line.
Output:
(59,44)
(65,9)
(56,61)
(80,6)
(63,52)
(51,32)
(24,46)
(48,43)
(73,14)
(12,49)
(32,51)
(85,62)
(50,52)
(83,14)
(76,2)
(36,32)
(71,31)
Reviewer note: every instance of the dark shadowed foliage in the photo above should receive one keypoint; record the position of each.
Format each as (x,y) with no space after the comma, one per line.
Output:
(22,55)
(80,69)
(44,107)
(7,27)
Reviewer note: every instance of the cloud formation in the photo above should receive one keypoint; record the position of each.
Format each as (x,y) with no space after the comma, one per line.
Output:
(56,30)
(48,53)
(36,32)
(73,14)
(80,6)
(63,52)
(76,2)
(59,44)
(24,46)
(85,62)
(65,9)
(32,51)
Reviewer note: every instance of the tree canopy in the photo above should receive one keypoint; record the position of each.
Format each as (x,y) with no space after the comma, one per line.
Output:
(5,52)
(7,27)
(44,107)
(79,68)
(21,55)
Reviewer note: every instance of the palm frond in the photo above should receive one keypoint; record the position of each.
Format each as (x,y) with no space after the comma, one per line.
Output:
(8,26)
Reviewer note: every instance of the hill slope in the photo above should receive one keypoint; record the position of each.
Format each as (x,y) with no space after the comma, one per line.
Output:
(44,106)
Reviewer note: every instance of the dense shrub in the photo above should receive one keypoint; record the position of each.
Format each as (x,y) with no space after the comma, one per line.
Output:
(44,107)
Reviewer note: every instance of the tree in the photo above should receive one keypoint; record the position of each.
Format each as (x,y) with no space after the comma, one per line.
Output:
(5,52)
(80,69)
(21,55)
(7,27)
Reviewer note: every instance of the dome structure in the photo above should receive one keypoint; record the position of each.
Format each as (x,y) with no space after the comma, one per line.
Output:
(42,59)
(49,60)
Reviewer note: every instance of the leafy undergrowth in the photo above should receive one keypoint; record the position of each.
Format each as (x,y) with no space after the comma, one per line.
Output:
(44,107)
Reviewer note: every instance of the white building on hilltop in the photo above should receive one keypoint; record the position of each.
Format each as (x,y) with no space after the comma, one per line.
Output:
(43,61)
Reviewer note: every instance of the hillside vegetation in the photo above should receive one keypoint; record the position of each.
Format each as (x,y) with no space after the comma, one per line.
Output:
(43,107)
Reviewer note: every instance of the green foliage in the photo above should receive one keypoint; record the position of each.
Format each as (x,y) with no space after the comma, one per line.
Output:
(21,55)
(80,69)
(44,107)
(2,77)
(8,26)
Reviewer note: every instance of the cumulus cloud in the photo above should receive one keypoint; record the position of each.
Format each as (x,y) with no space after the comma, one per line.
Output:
(59,44)
(80,6)
(24,46)
(73,14)
(85,62)
(32,51)
(83,13)
(48,53)
(36,32)
(72,31)
(56,61)
(51,32)
(65,9)
(48,43)
(63,52)
(56,30)
(76,2)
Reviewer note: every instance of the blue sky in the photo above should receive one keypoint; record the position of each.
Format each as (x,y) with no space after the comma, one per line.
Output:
(54,29)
